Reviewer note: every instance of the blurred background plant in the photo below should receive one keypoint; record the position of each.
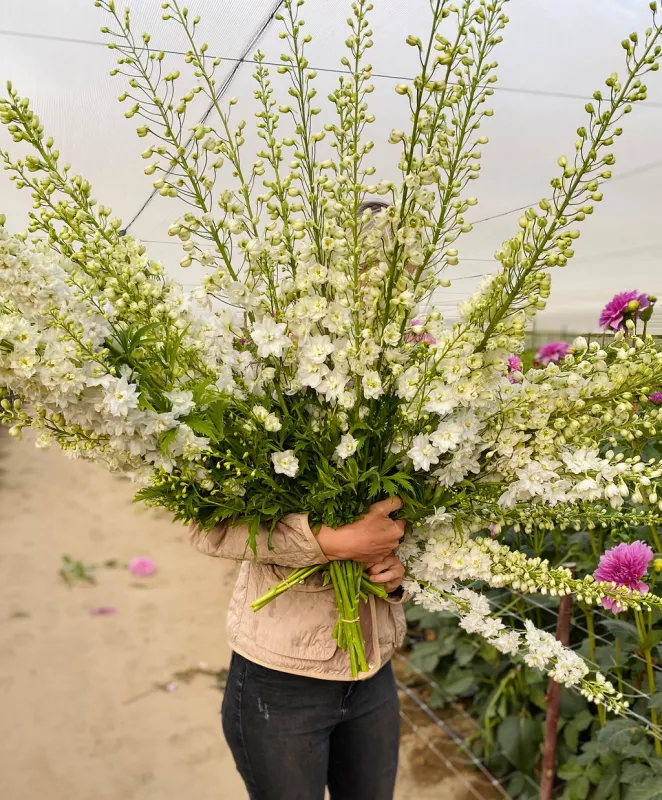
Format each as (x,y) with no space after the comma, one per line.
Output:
(596,757)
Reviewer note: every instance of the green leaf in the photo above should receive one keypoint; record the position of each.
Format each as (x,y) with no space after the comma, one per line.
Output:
(579,788)
(634,772)
(465,652)
(615,735)
(415,613)
(639,749)
(621,628)
(519,738)
(253,530)
(607,788)
(460,684)
(650,789)
(652,639)
(352,469)
(375,486)
(202,426)
(574,727)
(570,770)
(425,656)
(516,785)
(655,701)
(166,439)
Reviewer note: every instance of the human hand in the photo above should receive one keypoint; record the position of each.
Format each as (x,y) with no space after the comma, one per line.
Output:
(388,570)
(369,539)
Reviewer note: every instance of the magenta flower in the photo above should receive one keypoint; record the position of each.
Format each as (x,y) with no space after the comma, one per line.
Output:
(656,398)
(142,567)
(625,305)
(624,565)
(552,351)
(514,365)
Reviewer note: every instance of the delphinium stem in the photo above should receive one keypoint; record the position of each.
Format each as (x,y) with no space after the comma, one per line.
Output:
(590,626)
(296,576)
(656,539)
(351,585)
(648,658)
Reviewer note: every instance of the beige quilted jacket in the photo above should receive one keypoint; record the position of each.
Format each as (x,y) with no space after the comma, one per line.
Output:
(293,633)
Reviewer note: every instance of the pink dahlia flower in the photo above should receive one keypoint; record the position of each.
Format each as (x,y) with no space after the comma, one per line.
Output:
(624,565)
(552,351)
(142,567)
(625,305)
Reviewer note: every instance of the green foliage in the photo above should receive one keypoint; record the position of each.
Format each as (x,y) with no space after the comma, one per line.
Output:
(74,571)
(614,761)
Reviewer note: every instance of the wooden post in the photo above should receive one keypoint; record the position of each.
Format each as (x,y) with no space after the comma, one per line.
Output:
(551,722)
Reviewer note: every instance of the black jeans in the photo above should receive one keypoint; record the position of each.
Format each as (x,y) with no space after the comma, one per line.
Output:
(291,735)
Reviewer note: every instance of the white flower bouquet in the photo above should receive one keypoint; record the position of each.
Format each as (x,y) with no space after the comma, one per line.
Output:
(309,372)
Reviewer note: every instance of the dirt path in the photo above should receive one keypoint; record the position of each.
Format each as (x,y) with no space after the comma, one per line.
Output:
(85,710)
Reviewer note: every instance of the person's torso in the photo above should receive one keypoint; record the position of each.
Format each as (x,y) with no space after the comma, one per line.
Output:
(294,633)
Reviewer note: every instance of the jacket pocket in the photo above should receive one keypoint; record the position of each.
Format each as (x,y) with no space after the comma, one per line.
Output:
(296,625)
(273,574)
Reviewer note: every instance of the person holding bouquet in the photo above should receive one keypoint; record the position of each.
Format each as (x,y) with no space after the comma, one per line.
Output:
(294,717)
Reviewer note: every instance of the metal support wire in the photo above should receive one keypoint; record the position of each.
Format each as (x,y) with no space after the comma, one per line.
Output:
(655,730)
(457,741)
(598,636)
(433,684)
(444,760)
(332,70)
(223,88)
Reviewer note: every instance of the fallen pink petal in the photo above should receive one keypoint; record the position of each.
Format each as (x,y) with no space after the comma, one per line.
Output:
(142,567)
(103,611)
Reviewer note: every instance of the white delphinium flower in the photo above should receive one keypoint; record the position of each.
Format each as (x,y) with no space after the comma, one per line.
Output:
(120,396)
(391,334)
(333,386)
(447,436)
(507,643)
(441,398)
(311,373)
(272,423)
(338,319)
(541,646)
(182,402)
(285,463)
(270,338)
(372,385)
(408,382)
(269,420)
(582,460)
(423,453)
(240,295)
(346,448)
(225,381)
(316,349)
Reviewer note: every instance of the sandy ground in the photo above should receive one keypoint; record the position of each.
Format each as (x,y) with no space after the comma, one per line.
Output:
(86,714)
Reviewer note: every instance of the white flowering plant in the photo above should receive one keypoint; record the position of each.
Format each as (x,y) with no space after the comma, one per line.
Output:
(309,372)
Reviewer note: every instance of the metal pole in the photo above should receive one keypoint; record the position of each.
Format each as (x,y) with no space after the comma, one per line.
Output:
(551,722)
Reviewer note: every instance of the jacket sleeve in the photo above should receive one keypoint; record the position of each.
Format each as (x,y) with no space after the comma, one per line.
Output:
(291,544)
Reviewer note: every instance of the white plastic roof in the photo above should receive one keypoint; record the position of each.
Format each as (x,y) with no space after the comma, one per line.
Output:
(553,57)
